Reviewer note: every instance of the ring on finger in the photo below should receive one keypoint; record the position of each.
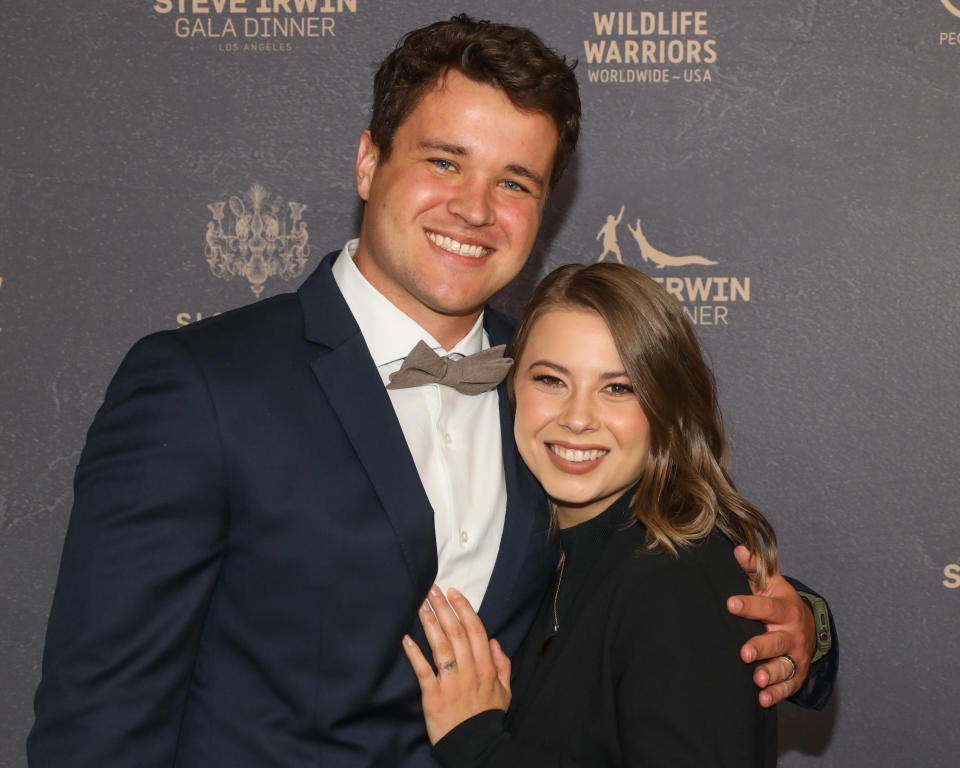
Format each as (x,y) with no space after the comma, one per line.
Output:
(793,667)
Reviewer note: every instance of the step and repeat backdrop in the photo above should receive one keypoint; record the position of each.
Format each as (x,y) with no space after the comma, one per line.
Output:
(788,169)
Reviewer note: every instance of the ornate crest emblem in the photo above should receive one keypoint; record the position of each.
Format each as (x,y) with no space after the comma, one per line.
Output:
(260,242)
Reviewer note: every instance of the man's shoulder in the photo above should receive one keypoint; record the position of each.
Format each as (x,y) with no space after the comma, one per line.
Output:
(265,317)
(248,338)
(274,320)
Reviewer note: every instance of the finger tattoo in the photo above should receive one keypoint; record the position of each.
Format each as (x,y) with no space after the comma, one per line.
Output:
(447,666)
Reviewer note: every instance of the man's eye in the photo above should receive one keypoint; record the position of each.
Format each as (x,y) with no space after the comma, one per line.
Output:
(514,185)
(442,164)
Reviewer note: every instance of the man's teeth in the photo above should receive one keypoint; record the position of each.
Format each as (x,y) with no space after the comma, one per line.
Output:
(574,454)
(473,251)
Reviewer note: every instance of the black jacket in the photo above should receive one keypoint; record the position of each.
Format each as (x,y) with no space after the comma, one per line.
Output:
(644,671)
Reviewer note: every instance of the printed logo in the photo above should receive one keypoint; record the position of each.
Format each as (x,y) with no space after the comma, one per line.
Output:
(705,299)
(259,241)
(609,234)
(638,47)
(951,573)
(661,259)
(951,37)
(1,286)
(648,253)
(254,25)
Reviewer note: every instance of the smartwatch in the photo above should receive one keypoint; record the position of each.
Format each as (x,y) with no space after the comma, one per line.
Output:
(821,618)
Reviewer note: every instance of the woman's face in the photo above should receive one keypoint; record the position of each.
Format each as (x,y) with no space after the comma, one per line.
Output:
(579,426)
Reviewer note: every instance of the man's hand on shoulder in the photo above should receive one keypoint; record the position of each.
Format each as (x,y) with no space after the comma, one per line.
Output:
(790,633)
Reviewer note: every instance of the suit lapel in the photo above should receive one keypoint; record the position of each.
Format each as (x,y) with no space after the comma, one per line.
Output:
(526,507)
(352,385)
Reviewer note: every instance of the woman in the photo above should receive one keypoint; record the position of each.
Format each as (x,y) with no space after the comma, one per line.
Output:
(633,658)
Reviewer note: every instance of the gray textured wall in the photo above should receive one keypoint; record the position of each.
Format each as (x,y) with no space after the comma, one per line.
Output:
(815,163)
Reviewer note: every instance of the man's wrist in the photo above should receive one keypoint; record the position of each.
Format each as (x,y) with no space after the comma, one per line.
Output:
(821,620)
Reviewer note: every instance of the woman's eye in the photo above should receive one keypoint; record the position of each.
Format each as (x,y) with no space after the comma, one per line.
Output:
(547,380)
(620,389)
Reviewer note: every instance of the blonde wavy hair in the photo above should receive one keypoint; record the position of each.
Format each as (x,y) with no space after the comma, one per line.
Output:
(685,490)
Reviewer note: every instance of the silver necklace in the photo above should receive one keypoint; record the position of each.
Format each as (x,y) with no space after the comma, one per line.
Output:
(556,595)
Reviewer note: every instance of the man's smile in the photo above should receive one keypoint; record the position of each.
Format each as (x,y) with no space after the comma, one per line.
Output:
(454,246)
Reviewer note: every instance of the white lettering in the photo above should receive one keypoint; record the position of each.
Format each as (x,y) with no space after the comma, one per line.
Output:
(659,23)
(705,314)
(604,23)
(206,7)
(650,52)
(201,6)
(952,572)
(741,289)
(185,318)
(698,289)
(628,75)
(594,51)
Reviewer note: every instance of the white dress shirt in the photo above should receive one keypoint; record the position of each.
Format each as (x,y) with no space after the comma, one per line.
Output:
(454,438)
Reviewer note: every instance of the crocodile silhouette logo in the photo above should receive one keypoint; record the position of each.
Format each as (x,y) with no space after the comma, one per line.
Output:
(658,257)
(650,254)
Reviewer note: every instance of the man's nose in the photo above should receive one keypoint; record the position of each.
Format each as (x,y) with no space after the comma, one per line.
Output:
(473,202)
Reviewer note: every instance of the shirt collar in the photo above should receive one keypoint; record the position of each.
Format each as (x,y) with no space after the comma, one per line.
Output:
(388,332)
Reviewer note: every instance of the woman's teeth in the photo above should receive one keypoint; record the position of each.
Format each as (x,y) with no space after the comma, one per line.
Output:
(574,454)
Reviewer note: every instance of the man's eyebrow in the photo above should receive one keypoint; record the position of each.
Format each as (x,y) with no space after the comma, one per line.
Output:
(442,146)
(520,170)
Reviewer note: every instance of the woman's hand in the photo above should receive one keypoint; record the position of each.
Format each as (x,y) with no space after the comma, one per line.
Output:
(473,673)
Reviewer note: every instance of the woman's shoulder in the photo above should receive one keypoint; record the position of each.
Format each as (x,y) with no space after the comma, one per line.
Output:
(692,585)
(673,652)
(710,560)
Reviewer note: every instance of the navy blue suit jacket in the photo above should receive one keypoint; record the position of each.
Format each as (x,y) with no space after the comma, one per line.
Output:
(249,542)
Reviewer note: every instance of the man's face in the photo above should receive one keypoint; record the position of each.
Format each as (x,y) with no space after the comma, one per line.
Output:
(452,215)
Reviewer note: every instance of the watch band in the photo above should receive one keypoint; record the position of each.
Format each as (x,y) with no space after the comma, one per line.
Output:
(821,619)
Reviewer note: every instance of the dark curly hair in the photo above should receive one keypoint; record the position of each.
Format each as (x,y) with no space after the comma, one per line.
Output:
(510,58)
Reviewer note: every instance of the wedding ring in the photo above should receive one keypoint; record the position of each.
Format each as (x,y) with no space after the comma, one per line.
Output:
(793,667)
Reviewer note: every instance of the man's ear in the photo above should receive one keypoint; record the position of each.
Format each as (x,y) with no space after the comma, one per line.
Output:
(368,155)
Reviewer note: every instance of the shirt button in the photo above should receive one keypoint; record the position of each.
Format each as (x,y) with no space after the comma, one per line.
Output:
(464,537)
(446,438)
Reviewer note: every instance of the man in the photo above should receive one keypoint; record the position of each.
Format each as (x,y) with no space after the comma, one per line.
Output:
(257,518)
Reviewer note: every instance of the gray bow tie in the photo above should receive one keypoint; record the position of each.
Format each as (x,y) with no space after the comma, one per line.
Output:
(470,375)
